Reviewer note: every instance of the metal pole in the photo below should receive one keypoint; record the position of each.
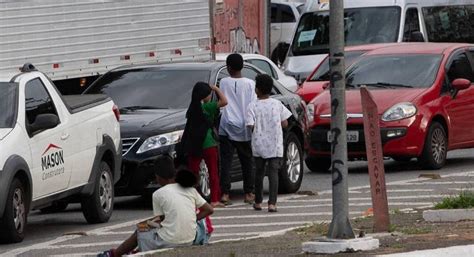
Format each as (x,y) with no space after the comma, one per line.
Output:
(212,4)
(340,227)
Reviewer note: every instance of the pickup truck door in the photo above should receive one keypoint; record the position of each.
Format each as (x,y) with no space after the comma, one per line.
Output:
(50,151)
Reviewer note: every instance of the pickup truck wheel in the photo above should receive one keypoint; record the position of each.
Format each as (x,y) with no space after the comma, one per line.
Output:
(435,149)
(291,173)
(13,222)
(98,207)
(57,206)
(204,184)
(315,164)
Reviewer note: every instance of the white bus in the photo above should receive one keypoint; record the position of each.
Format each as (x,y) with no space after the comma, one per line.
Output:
(378,21)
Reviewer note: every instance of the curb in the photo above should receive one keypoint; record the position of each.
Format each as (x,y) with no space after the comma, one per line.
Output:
(462,250)
(452,215)
(332,246)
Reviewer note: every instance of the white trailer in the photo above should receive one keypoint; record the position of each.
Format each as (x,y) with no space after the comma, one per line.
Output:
(69,39)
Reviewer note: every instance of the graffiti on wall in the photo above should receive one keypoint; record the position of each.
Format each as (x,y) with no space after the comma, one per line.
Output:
(240,43)
(239,26)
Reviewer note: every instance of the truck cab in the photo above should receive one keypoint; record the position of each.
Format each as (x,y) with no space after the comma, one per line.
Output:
(54,148)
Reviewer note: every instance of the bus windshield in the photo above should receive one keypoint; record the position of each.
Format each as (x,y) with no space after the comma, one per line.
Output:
(361,26)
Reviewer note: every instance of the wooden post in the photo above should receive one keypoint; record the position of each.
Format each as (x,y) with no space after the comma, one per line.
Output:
(373,144)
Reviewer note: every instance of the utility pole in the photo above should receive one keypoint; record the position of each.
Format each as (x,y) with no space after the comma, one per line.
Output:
(340,227)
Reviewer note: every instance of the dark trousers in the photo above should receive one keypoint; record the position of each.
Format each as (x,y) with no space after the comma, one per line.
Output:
(244,151)
(272,171)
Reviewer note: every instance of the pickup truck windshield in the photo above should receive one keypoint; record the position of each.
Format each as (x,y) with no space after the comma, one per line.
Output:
(394,71)
(8,104)
(149,88)
(322,74)
(361,26)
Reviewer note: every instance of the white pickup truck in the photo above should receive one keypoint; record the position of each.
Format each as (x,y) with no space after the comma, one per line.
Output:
(54,149)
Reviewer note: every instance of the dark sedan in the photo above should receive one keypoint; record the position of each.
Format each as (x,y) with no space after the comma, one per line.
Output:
(153,99)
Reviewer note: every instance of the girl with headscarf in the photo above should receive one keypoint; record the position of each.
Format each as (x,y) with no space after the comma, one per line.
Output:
(198,140)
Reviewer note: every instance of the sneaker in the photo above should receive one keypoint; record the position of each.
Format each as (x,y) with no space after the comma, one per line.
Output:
(108,253)
(249,198)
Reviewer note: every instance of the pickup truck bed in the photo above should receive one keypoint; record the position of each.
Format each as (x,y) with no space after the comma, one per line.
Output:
(78,103)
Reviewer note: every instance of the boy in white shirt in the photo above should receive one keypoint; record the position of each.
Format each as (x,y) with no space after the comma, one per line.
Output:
(267,117)
(174,208)
(233,134)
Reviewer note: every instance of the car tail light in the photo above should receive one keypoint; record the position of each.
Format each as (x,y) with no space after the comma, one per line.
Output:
(116,111)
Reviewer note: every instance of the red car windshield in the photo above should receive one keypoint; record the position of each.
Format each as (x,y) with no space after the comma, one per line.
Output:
(393,71)
(322,74)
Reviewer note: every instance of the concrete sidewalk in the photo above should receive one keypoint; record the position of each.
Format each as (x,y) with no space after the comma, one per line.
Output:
(462,250)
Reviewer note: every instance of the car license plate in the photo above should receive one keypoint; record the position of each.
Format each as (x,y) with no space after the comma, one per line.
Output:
(352,136)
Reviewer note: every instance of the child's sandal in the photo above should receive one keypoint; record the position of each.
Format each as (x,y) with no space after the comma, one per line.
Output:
(257,207)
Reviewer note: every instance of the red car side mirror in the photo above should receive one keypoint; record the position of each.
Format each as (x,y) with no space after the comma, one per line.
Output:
(326,85)
(461,84)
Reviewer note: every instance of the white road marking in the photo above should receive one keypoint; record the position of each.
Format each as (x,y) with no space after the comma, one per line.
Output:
(39,245)
(326,205)
(51,247)
(250,225)
(283,199)
(443,183)
(369,198)
(245,234)
(278,215)
(262,235)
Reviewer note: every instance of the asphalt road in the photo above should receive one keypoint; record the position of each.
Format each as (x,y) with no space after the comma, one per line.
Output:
(47,227)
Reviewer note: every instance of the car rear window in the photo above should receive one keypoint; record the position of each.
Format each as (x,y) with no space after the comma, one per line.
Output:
(413,70)
(152,87)
(8,104)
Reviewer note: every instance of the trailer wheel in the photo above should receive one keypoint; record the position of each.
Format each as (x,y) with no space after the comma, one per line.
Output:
(13,222)
(98,207)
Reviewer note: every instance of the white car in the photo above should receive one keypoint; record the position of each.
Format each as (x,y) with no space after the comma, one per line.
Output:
(268,67)
(54,148)
(284,18)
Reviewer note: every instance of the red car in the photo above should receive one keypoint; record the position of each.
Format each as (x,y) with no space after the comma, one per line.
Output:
(318,81)
(425,102)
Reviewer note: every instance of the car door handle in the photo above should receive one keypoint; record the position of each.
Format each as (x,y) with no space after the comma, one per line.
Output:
(64,136)
(275,28)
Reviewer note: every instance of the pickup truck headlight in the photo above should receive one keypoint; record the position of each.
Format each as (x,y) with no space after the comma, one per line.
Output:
(158,141)
(399,111)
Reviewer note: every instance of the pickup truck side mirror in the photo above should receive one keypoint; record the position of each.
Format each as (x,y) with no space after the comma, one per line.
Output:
(43,122)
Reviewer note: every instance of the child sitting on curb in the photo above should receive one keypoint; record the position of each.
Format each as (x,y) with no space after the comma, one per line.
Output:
(174,207)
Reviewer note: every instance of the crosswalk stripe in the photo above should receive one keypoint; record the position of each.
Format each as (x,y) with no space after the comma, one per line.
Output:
(250,225)
(442,183)
(368,198)
(235,234)
(218,210)
(279,215)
